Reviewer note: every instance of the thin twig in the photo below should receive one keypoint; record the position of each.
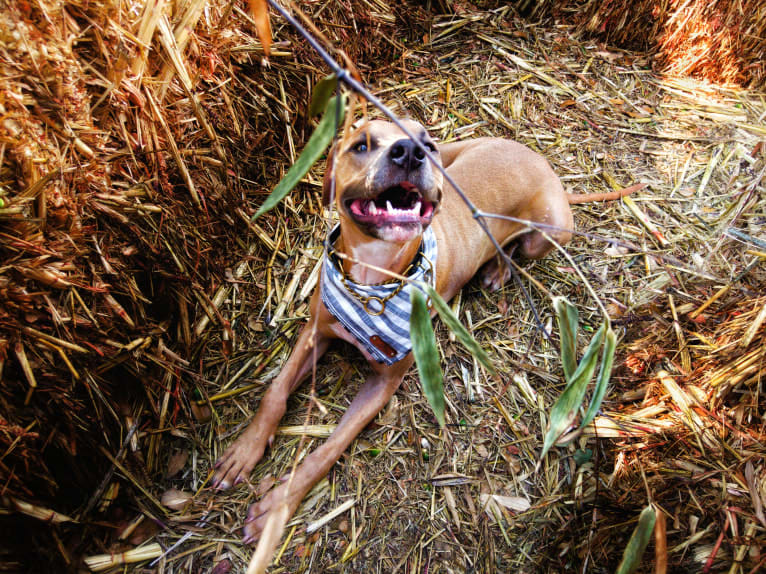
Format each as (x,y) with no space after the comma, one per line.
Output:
(356,86)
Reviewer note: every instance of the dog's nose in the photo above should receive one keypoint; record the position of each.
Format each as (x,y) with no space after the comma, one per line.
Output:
(406,154)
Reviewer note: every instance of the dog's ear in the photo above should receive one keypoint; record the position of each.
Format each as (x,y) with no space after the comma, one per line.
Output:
(327,181)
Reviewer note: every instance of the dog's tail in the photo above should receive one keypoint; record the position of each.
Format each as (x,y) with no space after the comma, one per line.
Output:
(608,196)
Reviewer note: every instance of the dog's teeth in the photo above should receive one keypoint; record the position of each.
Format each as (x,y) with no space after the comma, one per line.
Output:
(416,209)
(373,208)
(389,207)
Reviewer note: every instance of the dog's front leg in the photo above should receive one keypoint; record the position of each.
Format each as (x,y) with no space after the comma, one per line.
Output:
(238,460)
(372,397)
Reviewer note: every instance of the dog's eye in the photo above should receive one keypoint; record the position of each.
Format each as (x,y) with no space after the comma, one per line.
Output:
(360,147)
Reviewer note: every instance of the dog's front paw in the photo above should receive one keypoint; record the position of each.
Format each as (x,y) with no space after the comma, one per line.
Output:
(282,499)
(238,461)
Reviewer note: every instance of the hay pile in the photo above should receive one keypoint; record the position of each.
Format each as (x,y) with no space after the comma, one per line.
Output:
(722,41)
(142,315)
(136,138)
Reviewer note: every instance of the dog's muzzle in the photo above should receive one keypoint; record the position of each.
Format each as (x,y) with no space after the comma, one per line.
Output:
(401,197)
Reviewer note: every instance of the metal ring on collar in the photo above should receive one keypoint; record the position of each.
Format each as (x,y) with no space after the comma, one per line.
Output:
(380,302)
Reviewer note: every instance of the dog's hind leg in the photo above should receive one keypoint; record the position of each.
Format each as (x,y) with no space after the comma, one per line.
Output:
(554,214)
(495,273)
(533,244)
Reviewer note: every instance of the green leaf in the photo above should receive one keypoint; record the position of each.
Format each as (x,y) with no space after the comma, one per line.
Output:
(321,94)
(316,145)
(605,372)
(565,408)
(631,558)
(426,354)
(459,329)
(590,358)
(582,456)
(566,316)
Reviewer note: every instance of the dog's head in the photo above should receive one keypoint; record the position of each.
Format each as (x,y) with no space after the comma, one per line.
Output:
(384,182)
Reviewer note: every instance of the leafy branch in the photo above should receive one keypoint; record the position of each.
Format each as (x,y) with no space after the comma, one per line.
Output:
(578,374)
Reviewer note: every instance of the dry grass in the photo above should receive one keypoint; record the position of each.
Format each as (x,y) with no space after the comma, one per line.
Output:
(722,41)
(135,288)
(135,140)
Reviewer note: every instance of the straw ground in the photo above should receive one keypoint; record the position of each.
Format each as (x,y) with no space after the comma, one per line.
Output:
(681,427)
(414,499)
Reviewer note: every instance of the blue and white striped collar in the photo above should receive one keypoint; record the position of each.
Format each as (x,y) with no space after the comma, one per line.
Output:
(378,316)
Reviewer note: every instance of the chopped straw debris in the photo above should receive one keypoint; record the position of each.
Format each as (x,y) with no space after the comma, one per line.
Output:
(142,314)
(721,41)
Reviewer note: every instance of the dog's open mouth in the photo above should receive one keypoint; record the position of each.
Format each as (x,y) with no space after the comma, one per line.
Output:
(398,205)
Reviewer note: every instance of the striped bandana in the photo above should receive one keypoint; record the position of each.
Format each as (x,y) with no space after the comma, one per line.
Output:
(377,319)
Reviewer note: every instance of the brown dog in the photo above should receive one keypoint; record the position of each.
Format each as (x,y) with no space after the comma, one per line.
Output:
(387,195)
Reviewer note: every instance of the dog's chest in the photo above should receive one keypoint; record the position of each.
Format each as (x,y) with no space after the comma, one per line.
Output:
(376,318)
(342,333)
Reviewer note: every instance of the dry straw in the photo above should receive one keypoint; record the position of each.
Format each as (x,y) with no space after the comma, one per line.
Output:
(136,141)
(102,562)
(721,41)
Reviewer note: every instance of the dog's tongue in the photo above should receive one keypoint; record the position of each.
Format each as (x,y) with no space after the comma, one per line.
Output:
(358,207)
